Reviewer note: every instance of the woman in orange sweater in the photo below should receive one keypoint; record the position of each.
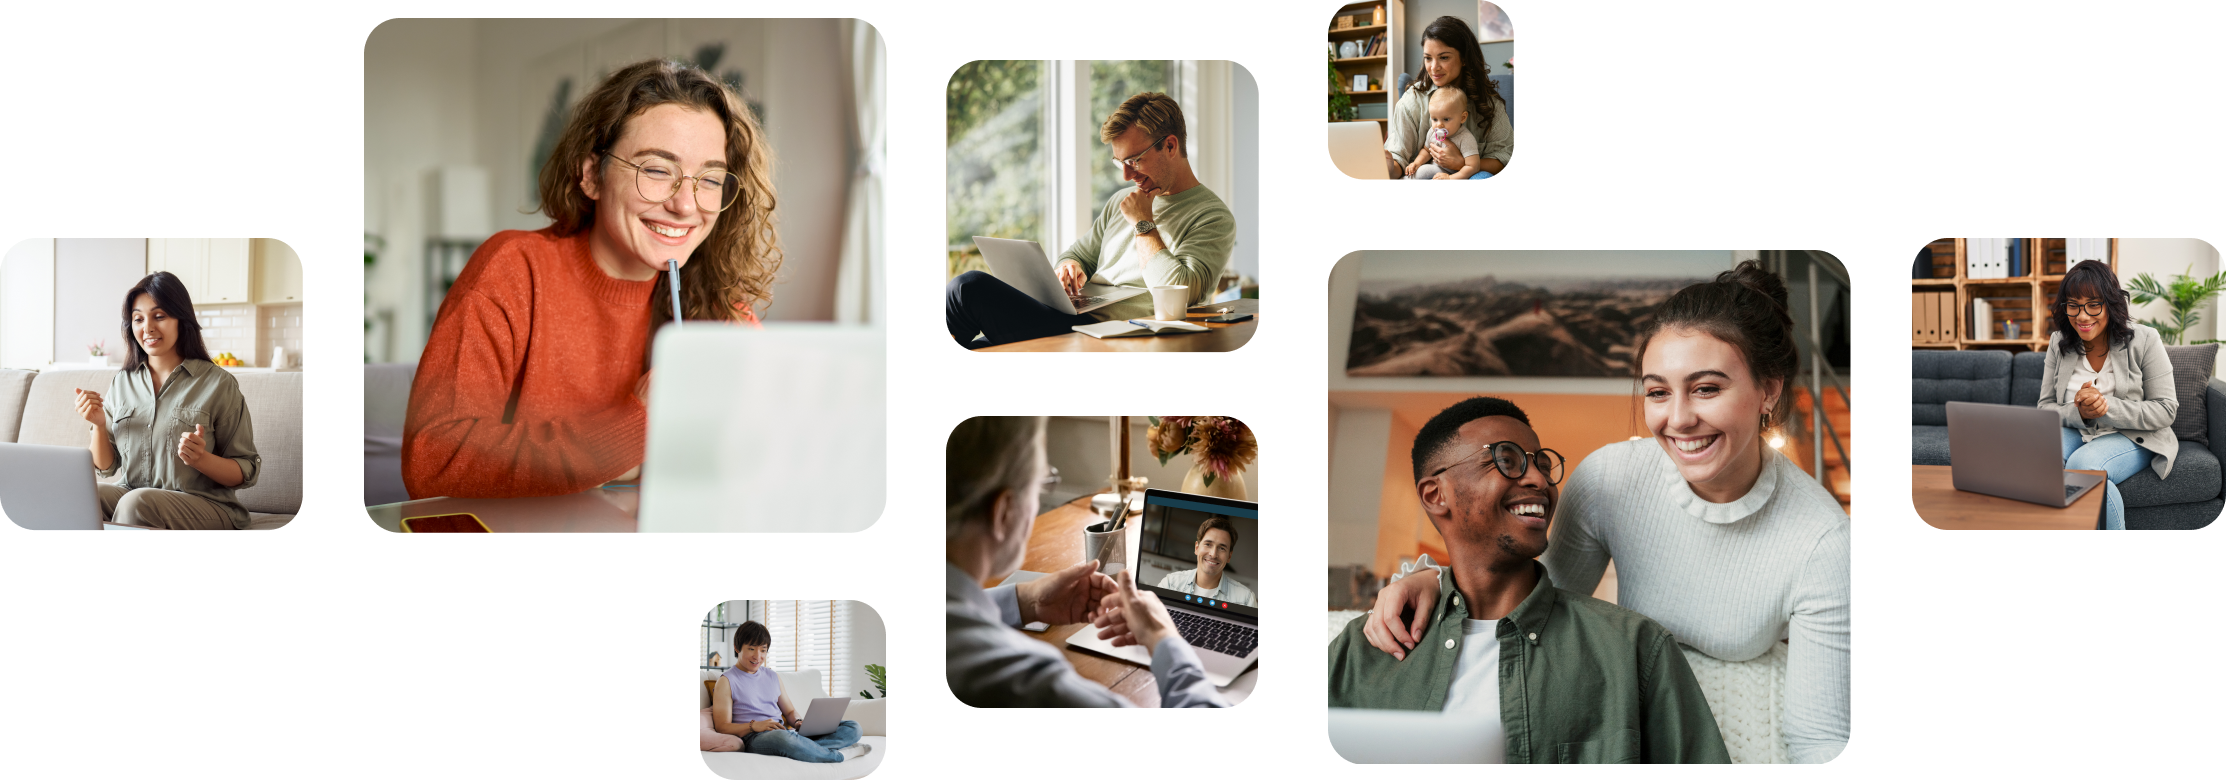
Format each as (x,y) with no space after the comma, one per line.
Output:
(534,379)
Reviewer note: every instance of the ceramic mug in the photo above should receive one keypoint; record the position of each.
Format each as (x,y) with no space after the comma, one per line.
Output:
(1170,301)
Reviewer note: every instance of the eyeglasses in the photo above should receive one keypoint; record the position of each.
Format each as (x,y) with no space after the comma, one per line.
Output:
(658,182)
(2091,309)
(1513,461)
(1132,161)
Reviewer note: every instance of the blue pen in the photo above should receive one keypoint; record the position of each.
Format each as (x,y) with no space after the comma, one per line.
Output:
(672,271)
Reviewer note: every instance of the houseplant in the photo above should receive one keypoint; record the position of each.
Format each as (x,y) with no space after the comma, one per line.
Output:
(2182,294)
(1340,107)
(880,677)
(1219,447)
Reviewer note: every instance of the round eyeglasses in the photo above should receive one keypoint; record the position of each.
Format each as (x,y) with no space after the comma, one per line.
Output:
(658,181)
(1513,461)
(2090,308)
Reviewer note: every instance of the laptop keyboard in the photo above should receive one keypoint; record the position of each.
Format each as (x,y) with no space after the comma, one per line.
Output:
(1089,301)
(2070,489)
(1228,638)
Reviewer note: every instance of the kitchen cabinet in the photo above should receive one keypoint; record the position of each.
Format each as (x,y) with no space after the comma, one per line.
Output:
(277,273)
(214,270)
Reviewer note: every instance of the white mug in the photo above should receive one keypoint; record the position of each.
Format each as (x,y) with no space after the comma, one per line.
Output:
(1170,302)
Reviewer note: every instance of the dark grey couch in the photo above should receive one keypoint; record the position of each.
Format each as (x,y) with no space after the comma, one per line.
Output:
(2190,499)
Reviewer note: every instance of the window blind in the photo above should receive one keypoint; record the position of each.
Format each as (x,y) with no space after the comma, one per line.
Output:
(811,635)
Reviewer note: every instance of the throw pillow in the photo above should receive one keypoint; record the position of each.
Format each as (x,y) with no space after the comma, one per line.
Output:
(711,741)
(2191,375)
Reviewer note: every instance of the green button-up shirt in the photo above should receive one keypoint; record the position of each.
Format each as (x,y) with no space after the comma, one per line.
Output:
(1581,681)
(144,428)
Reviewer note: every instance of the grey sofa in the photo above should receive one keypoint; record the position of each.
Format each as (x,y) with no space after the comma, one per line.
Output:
(2192,498)
(386,405)
(37,407)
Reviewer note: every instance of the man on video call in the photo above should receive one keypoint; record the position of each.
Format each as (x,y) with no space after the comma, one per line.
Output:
(1217,542)
(1166,230)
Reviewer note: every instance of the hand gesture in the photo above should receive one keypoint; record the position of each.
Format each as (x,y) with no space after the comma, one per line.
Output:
(1072,277)
(1132,617)
(89,408)
(192,448)
(2092,403)
(1416,165)
(1443,176)
(1137,205)
(1418,593)
(1066,596)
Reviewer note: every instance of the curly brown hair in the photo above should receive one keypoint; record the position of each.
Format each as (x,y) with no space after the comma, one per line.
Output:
(1475,80)
(732,271)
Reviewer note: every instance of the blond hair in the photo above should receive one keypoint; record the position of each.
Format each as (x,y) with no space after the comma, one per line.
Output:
(984,458)
(1153,111)
(734,268)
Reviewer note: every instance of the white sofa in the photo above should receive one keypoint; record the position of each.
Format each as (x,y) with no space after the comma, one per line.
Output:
(802,687)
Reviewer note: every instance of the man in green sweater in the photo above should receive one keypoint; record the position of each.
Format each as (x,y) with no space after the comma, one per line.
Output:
(1166,230)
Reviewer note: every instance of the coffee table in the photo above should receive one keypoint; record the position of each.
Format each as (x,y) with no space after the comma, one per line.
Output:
(1932,489)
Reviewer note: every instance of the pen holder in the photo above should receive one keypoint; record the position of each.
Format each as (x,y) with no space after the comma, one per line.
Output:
(1103,543)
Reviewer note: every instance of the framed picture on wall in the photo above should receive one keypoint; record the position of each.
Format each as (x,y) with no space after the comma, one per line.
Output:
(1492,24)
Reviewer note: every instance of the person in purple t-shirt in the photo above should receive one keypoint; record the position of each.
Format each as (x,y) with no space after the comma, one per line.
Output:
(748,702)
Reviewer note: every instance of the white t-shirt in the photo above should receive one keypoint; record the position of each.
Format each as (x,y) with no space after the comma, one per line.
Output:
(2101,377)
(1475,691)
(1230,590)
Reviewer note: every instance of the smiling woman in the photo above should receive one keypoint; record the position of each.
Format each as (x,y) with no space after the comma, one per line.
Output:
(535,377)
(172,423)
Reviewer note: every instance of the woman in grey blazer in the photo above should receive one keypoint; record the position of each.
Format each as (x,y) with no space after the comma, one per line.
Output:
(2109,380)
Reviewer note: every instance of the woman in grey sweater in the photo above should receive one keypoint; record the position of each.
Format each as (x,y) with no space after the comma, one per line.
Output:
(2109,379)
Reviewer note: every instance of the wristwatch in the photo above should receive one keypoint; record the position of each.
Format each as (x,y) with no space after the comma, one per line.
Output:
(1145,226)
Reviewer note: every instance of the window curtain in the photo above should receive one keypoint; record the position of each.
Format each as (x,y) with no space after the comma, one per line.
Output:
(859,280)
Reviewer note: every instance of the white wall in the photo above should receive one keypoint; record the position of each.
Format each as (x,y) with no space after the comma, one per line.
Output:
(1359,451)
(2165,258)
(27,305)
(1082,450)
(1244,191)
(869,644)
(419,113)
(91,276)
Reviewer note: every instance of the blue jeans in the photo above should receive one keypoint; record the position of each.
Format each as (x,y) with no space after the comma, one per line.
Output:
(2113,454)
(789,744)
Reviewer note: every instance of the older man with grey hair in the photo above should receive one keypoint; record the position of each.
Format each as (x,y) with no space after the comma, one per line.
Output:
(994,469)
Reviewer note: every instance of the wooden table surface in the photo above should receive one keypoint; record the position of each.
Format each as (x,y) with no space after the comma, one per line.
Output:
(1219,337)
(1056,544)
(1932,489)
(601,510)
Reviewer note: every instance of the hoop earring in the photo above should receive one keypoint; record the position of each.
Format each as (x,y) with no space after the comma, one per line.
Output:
(1766,420)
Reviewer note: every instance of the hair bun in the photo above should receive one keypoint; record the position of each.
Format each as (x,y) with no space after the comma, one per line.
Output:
(1751,275)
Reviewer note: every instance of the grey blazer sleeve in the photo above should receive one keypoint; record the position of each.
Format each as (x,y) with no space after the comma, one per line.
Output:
(2159,402)
(1182,679)
(2050,385)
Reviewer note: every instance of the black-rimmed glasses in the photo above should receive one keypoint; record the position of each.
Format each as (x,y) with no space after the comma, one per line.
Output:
(1513,461)
(657,181)
(2090,308)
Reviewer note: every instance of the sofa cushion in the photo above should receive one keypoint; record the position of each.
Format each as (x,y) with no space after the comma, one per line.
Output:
(1937,377)
(2025,377)
(2195,477)
(1930,445)
(2191,376)
(709,739)
(274,403)
(15,388)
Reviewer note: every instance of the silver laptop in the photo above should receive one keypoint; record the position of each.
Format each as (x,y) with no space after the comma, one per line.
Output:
(1162,547)
(2012,452)
(1023,265)
(823,716)
(1357,148)
(46,488)
(782,429)
(1410,737)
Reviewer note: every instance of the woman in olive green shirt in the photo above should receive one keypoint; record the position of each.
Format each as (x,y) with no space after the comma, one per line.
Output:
(172,422)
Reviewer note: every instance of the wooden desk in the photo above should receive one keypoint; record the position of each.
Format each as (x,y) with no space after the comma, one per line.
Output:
(595,511)
(1220,337)
(1932,489)
(1056,544)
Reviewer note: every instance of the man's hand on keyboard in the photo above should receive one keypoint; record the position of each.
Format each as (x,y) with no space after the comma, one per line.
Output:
(1072,278)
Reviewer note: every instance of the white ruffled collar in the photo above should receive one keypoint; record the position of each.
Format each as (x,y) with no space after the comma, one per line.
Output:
(1773,467)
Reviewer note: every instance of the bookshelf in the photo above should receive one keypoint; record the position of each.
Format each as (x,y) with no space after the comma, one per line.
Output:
(1382,17)
(2022,300)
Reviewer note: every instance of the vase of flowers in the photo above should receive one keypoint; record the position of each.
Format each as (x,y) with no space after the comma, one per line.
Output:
(1219,448)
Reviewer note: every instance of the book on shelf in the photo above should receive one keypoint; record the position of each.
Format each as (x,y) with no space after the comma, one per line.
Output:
(1982,318)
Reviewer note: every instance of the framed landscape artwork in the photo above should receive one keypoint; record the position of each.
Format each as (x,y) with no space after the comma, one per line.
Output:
(1558,314)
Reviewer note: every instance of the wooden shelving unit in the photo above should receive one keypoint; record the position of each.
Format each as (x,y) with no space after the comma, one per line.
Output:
(1383,68)
(2021,299)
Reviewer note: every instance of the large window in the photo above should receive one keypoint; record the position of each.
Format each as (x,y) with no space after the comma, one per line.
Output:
(1112,81)
(806,635)
(994,157)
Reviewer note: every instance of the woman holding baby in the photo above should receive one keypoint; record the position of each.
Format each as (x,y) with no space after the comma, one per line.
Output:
(1459,134)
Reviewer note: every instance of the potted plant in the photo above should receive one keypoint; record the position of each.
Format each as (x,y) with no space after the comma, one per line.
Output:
(880,676)
(1219,448)
(2182,294)
(1340,107)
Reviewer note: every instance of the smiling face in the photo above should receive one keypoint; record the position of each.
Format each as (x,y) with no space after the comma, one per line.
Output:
(2090,325)
(154,329)
(1484,512)
(1440,62)
(750,657)
(1213,553)
(1705,407)
(1156,168)
(633,237)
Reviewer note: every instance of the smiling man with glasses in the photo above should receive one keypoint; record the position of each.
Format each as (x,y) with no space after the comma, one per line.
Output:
(1168,229)
(1559,677)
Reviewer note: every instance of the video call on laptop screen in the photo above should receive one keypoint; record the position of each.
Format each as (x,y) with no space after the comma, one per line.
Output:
(1177,562)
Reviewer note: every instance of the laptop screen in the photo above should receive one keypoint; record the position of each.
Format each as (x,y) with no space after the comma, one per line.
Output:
(1201,552)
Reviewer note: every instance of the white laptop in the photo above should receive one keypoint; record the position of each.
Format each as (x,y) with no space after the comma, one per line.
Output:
(778,430)
(1412,737)
(46,488)
(1162,547)
(1023,265)
(1357,148)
